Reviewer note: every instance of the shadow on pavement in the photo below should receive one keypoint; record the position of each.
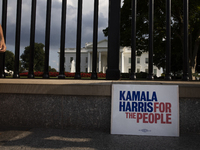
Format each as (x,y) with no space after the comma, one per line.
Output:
(96,140)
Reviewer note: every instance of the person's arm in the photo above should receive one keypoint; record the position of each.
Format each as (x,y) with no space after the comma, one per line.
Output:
(2,41)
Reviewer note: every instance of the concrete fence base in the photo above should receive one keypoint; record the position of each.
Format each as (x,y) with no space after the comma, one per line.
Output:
(18,109)
(77,112)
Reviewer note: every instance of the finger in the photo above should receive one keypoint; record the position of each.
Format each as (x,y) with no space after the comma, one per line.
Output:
(3,46)
(3,49)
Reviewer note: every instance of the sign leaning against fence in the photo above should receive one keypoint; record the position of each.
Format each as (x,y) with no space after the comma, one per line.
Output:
(145,110)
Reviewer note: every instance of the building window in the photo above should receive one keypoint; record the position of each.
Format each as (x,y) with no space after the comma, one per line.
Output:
(129,60)
(146,60)
(138,70)
(86,59)
(71,59)
(129,70)
(86,70)
(138,60)
(155,71)
(146,70)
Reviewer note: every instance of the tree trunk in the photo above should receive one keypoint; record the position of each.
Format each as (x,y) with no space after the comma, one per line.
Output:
(193,56)
(192,69)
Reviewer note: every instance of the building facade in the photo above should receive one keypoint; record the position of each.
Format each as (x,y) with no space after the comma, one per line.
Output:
(102,47)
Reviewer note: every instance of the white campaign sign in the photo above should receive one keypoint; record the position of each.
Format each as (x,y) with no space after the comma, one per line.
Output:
(145,110)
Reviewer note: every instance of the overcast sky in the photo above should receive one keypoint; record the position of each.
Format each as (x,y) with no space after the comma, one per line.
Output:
(71,24)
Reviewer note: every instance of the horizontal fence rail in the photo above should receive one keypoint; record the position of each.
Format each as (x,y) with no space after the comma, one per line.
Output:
(112,71)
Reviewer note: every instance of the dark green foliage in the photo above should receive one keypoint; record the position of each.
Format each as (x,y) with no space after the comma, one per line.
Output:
(125,75)
(39,57)
(160,31)
(9,60)
(141,75)
(52,69)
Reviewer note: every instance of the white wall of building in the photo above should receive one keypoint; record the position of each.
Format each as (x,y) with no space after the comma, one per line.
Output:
(124,65)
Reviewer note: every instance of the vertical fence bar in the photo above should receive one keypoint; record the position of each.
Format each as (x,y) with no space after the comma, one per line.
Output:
(78,41)
(185,53)
(62,41)
(17,38)
(168,40)
(32,40)
(151,28)
(95,39)
(4,23)
(47,40)
(133,40)
(113,71)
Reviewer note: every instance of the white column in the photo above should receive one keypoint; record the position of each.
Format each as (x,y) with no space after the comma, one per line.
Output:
(122,63)
(99,61)
(89,62)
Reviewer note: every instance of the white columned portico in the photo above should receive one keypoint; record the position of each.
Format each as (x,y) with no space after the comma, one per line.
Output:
(99,61)
(89,59)
(122,63)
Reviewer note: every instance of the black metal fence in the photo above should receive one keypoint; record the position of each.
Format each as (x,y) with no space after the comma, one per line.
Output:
(113,71)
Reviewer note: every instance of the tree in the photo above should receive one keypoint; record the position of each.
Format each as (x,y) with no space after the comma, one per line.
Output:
(198,62)
(160,30)
(52,69)
(9,60)
(39,56)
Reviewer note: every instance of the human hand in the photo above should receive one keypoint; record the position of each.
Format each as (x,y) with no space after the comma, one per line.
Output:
(2,46)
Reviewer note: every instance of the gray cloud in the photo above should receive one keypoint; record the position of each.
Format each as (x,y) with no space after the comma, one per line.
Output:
(71,23)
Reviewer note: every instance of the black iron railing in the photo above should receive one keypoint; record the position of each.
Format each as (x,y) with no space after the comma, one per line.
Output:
(3,23)
(113,71)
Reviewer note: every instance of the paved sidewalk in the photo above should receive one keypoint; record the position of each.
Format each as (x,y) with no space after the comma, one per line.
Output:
(53,139)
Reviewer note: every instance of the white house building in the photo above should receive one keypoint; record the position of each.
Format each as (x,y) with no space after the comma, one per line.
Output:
(102,46)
